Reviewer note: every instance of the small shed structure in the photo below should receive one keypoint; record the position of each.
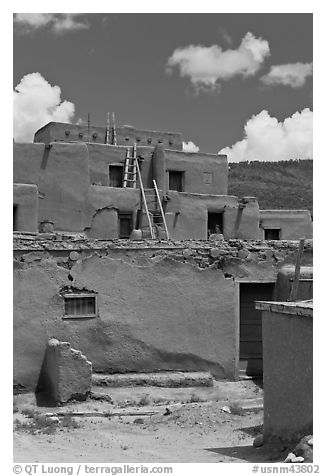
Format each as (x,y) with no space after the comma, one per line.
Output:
(288,369)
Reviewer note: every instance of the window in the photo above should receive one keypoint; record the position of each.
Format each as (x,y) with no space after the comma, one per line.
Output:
(115,175)
(15,218)
(125,224)
(80,305)
(208,178)
(214,223)
(176,180)
(272,233)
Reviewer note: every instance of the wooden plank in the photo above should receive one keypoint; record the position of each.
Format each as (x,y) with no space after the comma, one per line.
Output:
(295,284)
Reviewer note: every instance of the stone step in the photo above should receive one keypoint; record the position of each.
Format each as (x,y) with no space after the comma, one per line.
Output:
(154,379)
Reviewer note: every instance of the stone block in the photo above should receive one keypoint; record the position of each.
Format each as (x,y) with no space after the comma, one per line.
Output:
(67,373)
(243,253)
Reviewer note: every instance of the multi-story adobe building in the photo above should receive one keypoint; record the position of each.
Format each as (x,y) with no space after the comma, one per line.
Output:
(72,177)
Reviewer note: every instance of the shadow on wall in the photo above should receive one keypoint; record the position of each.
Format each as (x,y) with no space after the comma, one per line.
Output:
(45,157)
(43,391)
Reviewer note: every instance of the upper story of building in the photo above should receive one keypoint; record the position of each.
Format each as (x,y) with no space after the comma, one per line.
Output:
(122,136)
(78,186)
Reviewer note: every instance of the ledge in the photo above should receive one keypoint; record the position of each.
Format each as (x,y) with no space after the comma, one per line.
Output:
(297,308)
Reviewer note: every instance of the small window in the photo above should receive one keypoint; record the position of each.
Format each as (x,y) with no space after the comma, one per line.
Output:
(272,233)
(208,178)
(80,305)
(125,224)
(115,175)
(176,180)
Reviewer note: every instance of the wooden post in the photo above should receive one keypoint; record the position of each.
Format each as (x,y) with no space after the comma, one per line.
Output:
(296,277)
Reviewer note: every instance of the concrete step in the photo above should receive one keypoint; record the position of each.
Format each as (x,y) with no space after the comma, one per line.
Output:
(154,379)
(247,405)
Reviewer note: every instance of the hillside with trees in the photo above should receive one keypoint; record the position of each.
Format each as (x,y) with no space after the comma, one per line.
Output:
(277,185)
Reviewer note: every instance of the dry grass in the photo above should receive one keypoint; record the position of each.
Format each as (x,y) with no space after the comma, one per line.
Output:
(43,424)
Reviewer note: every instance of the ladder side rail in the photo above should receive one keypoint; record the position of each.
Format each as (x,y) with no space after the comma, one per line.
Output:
(133,165)
(161,210)
(144,201)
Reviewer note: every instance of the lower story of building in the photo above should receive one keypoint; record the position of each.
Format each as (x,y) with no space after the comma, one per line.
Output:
(107,213)
(190,306)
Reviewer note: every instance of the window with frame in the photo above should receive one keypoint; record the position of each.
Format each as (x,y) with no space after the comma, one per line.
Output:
(176,180)
(80,305)
(272,233)
(115,175)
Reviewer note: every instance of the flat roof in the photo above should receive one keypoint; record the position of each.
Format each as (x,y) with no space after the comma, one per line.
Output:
(297,308)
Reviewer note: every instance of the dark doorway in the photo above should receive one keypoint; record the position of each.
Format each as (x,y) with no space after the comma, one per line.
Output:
(176,180)
(15,218)
(125,224)
(214,223)
(272,233)
(251,345)
(115,175)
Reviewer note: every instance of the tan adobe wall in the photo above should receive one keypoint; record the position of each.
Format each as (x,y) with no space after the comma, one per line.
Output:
(288,374)
(160,306)
(25,201)
(293,224)
(125,135)
(72,181)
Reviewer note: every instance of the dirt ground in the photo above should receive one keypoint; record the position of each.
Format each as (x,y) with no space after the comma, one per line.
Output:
(195,428)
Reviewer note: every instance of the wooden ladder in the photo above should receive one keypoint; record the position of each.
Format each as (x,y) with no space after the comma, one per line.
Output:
(130,170)
(151,201)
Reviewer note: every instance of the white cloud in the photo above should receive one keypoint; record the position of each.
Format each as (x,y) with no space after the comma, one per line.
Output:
(267,139)
(189,147)
(36,103)
(207,65)
(57,22)
(293,74)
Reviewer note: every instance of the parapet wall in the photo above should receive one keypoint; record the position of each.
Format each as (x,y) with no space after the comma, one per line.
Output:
(161,306)
(125,135)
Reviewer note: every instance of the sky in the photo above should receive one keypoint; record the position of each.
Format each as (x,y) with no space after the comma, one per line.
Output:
(239,84)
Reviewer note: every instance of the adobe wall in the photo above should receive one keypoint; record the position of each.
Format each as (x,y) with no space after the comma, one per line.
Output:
(186,215)
(203,173)
(161,306)
(288,375)
(294,224)
(25,201)
(72,181)
(125,135)
(128,135)
(62,176)
(101,156)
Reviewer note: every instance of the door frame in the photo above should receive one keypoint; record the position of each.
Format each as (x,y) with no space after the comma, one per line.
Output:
(237,282)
